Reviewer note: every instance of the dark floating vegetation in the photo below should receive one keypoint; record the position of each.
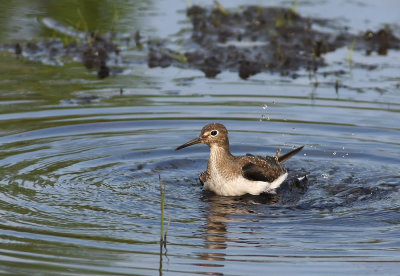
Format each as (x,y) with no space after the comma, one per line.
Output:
(94,51)
(258,39)
(250,40)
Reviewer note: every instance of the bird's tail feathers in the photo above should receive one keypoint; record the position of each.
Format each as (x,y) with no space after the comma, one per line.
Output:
(288,155)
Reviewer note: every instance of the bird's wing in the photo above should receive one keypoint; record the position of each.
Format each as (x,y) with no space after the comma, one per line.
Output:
(251,171)
(257,169)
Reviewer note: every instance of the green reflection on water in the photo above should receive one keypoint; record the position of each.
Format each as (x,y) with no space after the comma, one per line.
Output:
(29,85)
(24,80)
(21,18)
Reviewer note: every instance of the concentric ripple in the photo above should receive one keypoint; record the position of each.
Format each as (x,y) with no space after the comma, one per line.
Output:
(85,197)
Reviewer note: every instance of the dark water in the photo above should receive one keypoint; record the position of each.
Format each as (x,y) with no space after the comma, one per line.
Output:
(80,163)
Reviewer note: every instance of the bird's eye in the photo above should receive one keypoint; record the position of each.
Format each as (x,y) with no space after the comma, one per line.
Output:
(214,133)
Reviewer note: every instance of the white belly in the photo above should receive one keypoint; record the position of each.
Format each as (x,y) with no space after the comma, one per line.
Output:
(240,185)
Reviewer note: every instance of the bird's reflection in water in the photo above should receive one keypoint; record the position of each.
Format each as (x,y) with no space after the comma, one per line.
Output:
(222,211)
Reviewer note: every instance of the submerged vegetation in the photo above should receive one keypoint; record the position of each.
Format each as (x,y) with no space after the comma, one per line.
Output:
(163,235)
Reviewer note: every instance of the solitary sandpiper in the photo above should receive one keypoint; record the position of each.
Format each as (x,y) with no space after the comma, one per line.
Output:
(229,175)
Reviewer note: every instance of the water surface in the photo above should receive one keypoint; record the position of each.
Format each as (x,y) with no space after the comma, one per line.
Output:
(80,163)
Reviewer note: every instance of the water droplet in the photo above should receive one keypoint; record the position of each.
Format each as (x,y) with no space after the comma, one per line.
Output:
(264,115)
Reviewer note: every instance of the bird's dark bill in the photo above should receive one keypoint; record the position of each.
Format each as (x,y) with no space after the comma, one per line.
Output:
(190,143)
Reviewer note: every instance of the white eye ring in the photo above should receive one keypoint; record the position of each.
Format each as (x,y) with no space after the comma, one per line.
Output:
(214,132)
